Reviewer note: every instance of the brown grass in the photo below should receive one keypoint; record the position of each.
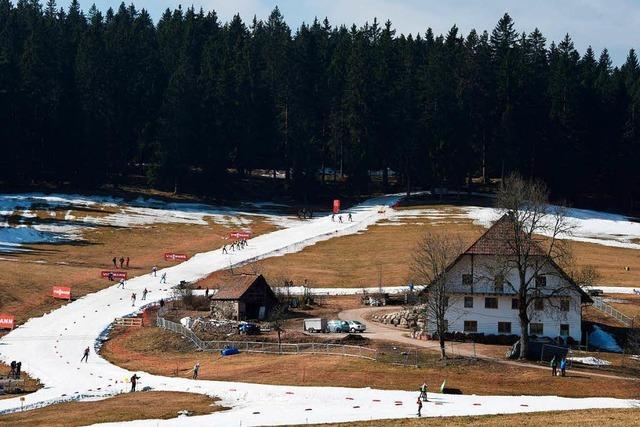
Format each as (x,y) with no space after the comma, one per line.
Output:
(124,407)
(599,417)
(384,252)
(164,353)
(78,264)
(30,384)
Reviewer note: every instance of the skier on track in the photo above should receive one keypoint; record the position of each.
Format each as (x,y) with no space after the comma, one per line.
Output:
(85,357)
(333,217)
(144,294)
(423,391)
(133,299)
(419,407)
(121,284)
(350,217)
(154,271)
(163,279)
(340,219)
(224,249)
(134,381)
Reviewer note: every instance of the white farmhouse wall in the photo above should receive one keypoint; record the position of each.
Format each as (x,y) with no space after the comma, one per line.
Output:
(487,318)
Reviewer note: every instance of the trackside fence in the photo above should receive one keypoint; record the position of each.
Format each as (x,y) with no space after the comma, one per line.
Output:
(269,347)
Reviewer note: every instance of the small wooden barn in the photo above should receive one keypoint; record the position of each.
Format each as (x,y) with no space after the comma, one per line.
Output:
(242,297)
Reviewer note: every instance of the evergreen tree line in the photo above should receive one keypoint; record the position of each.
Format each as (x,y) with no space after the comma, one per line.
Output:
(87,97)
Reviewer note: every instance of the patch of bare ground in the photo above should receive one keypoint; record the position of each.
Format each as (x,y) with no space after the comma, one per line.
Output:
(599,417)
(26,278)
(164,353)
(121,408)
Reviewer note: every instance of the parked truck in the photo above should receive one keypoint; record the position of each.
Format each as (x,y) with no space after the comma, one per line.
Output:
(316,324)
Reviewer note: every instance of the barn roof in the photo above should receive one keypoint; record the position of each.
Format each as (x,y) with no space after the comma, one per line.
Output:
(498,240)
(236,286)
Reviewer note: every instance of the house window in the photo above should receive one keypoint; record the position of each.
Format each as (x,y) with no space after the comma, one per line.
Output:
(541,281)
(564,330)
(536,329)
(504,327)
(467,279)
(538,304)
(470,326)
(565,303)
(498,284)
(490,302)
(515,303)
(468,302)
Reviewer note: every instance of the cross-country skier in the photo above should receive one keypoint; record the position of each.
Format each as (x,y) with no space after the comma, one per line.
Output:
(419,407)
(333,217)
(224,249)
(85,357)
(144,294)
(163,279)
(340,218)
(134,381)
(120,284)
(423,391)
(133,299)
(350,217)
(154,270)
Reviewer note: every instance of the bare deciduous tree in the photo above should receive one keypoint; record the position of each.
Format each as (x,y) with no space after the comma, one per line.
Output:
(534,245)
(431,258)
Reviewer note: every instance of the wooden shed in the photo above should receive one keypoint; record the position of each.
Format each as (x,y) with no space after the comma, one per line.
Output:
(242,297)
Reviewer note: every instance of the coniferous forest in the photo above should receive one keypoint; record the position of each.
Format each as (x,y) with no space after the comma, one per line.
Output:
(193,102)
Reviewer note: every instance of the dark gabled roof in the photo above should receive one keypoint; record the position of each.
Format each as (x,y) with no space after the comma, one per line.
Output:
(236,286)
(498,240)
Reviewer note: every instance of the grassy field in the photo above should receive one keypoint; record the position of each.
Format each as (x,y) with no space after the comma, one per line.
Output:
(599,417)
(164,353)
(78,264)
(124,407)
(383,254)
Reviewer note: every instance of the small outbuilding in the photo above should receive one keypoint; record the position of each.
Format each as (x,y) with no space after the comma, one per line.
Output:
(242,297)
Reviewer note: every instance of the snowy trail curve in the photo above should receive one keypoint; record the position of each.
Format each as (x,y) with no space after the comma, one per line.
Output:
(50,348)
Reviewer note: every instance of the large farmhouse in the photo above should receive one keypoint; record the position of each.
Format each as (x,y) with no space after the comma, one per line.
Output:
(483,293)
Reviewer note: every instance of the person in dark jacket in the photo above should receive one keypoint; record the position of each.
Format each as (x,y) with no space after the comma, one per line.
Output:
(134,381)
(18,369)
(554,367)
(419,402)
(13,369)
(85,357)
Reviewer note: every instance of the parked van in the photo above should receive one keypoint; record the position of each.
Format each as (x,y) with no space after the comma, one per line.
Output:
(337,326)
(315,325)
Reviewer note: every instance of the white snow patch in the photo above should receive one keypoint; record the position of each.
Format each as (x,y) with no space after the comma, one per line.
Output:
(590,360)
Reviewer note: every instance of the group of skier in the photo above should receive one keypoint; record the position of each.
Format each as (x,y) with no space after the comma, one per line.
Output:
(16,368)
(237,244)
(349,218)
(124,262)
(305,213)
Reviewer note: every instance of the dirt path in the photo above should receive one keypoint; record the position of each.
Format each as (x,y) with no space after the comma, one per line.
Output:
(384,332)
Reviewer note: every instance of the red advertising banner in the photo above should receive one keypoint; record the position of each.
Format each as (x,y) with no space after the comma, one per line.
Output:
(116,274)
(336,206)
(240,235)
(61,292)
(170,256)
(6,321)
